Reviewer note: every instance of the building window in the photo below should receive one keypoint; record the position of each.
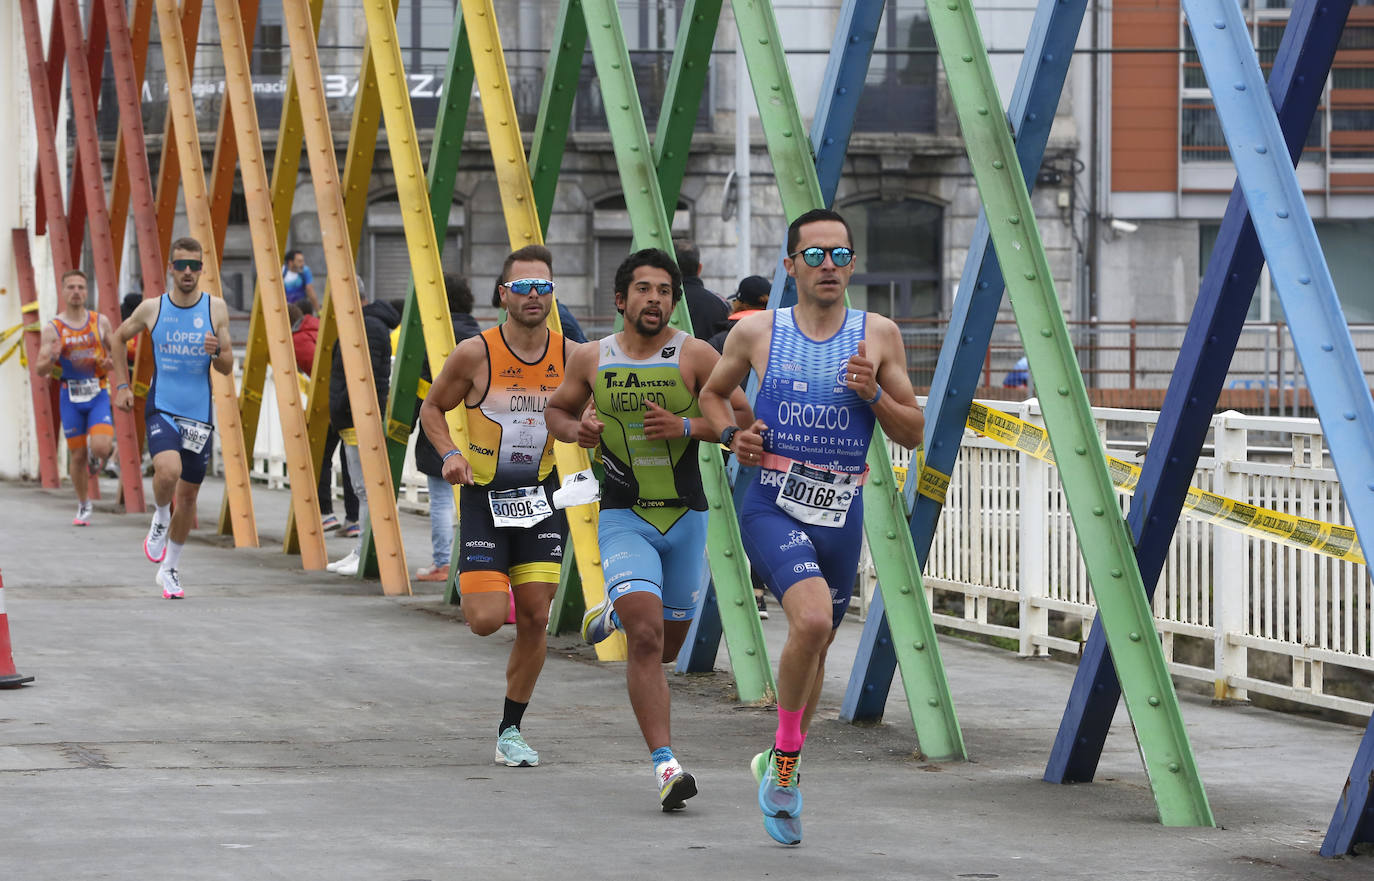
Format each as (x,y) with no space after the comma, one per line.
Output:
(900,92)
(613,241)
(385,260)
(898,245)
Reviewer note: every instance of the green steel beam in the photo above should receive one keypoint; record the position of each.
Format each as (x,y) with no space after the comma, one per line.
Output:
(1102,532)
(644,200)
(441,176)
(682,98)
(556,105)
(889,539)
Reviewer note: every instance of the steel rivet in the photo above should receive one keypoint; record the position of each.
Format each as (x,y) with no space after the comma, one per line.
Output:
(1174,767)
(1261,149)
(1326,347)
(1098,512)
(1063,391)
(997,163)
(1030,276)
(934,701)
(1046,332)
(919,646)
(1282,213)
(1350,415)
(1116,573)
(1153,701)
(1134,637)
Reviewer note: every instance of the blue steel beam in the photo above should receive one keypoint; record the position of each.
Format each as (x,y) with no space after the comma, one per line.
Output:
(1295,87)
(845,72)
(1033,102)
(1303,281)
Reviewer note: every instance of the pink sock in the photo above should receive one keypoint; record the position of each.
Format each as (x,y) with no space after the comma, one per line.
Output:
(789,737)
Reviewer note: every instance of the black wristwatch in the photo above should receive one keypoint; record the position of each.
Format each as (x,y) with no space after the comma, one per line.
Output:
(728,435)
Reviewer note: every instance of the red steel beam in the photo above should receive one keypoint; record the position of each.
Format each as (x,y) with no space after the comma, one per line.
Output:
(53,78)
(94,48)
(92,177)
(38,385)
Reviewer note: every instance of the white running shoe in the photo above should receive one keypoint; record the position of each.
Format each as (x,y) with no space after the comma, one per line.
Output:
(347,566)
(675,785)
(155,545)
(170,582)
(83,513)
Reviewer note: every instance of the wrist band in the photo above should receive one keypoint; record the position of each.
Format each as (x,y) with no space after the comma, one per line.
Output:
(450,454)
(686,427)
(121,385)
(873,400)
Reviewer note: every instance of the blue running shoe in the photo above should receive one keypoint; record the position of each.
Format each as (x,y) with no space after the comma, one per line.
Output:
(599,622)
(675,785)
(513,752)
(779,797)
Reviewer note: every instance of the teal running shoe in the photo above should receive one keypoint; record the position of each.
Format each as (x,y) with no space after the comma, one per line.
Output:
(599,622)
(780,798)
(513,752)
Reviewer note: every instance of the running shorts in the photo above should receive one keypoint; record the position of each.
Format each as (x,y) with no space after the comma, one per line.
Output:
(493,558)
(635,556)
(88,417)
(163,435)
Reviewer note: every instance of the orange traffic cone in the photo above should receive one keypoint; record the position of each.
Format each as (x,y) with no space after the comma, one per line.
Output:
(9,677)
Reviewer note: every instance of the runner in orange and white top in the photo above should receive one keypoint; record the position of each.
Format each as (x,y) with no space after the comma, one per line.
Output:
(512,537)
(76,351)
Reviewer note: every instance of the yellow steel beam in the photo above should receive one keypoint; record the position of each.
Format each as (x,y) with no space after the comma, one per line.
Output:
(362,389)
(285,164)
(361,150)
(183,111)
(272,289)
(522,225)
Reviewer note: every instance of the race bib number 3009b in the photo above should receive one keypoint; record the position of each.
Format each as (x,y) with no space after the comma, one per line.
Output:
(521,507)
(79,391)
(817,496)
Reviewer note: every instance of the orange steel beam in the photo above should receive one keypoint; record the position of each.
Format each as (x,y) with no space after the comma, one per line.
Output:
(92,179)
(227,153)
(53,79)
(92,52)
(362,391)
(168,180)
(236,476)
(285,166)
(239,82)
(137,29)
(38,385)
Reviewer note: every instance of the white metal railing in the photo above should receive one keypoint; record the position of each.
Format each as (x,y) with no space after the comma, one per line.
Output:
(1240,612)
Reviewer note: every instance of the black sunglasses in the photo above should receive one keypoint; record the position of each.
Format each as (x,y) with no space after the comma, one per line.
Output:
(183,265)
(816,256)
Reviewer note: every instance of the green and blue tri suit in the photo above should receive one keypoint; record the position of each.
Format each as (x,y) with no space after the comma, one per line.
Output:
(652,530)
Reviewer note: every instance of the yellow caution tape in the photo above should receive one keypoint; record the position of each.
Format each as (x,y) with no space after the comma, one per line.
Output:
(29,307)
(398,431)
(252,394)
(932,484)
(12,349)
(8,332)
(1327,539)
(140,390)
(349,436)
(422,389)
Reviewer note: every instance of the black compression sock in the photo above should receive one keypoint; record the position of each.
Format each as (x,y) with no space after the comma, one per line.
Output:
(512,714)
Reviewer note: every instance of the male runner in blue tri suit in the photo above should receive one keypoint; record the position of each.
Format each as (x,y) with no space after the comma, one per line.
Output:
(828,373)
(190,331)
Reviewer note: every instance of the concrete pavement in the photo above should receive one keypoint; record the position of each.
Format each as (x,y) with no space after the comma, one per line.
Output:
(282,724)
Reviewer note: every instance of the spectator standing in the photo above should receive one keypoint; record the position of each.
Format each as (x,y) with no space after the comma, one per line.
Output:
(378,320)
(305,334)
(441,502)
(298,280)
(708,311)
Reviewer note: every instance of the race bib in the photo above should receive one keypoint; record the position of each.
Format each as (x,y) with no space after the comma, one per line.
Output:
(79,391)
(193,434)
(817,496)
(521,507)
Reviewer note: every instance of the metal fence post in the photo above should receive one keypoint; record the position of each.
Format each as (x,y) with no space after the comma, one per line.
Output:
(1230,582)
(1032,547)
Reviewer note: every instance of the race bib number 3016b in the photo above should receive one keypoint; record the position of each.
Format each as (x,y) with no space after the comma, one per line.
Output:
(817,496)
(521,507)
(194,434)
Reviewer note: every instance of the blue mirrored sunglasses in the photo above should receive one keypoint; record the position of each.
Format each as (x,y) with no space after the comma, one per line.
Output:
(816,256)
(523,286)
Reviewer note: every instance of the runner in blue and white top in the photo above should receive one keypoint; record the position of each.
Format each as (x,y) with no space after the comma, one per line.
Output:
(827,374)
(298,280)
(190,334)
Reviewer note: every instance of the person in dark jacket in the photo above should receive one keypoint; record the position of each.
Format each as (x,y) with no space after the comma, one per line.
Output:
(378,320)
(441,502)
(708,311)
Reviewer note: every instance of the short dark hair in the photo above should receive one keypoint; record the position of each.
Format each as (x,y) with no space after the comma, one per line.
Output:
(647,257)
(291,255)
(813,216)
(70,272)
(306,307)
(688,256)
(529,252)
(186,243)
(459,293)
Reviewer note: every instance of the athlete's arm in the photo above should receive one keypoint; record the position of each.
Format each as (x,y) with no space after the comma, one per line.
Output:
(314,300)
(877,373)
(721,396)
(447,392)
(567,415)
(106,341)
(217,343)
(48,351)
(139,320)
